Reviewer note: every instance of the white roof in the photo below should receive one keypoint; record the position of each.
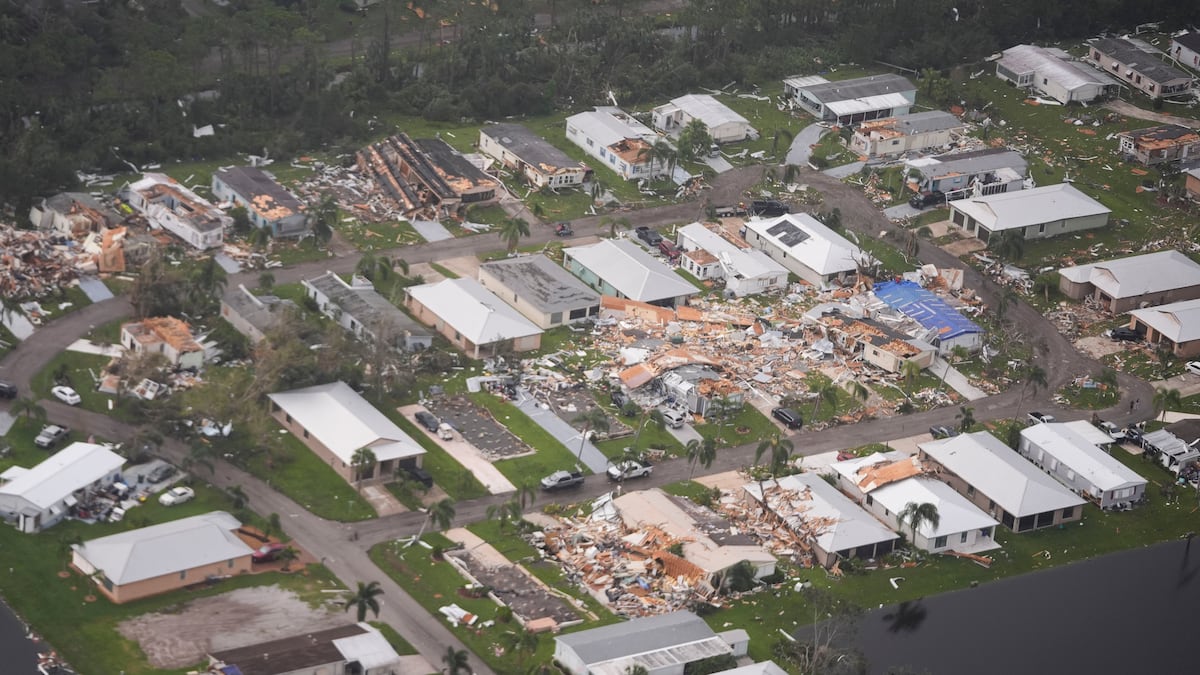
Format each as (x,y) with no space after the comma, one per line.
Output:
(1022,208)
(801,81)
(804,238)
(1179,322)
(166,548)
(344,422)
(814,501)
(73,468)
(867,104)
(1077,445)
(746,263)
(1052,65)
(850,468)
(955,513)
(663,641)
(1137,275)
(609,125)
(760,668)
(473,311)
(635,273)
(708,109)
(371,649)
(1001,473)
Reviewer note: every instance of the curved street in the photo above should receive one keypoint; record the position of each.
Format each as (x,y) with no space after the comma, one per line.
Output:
(343,547)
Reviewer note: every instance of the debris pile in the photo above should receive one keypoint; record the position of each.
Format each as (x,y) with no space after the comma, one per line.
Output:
(33,264)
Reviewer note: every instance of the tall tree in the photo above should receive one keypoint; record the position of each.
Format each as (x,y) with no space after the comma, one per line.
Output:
(29,409)
(364,599)
(457,661)
(511,231)
(826,392)
(910,372)
(1166,399)
(363,461)
(659,155)
(593,419)
(917,515)
(702,452)
(966,418)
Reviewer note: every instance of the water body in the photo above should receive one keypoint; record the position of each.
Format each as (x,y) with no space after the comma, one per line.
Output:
(1131,612)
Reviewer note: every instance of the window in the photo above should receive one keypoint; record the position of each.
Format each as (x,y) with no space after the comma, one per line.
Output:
(591,144)
(991,504)
(939,542)
(555,318)
(1068,512)
(305,431)
(962,538)
(1042,228)
(288,418)
(970,490)
(183,574)
(870,500)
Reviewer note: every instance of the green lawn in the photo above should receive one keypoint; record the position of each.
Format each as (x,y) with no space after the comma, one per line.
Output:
(81,372)
(397,641)
(84,631)
(22,451)
(457,481)
(550,455)
(1090,399)
(108,334)
(753,425)
(371,236)
(301,475)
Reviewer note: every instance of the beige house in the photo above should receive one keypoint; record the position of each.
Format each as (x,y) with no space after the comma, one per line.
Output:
(472,318)
(164,557)
(1175,327)
(1138,68)
(540,290)
(335,422)
(894,136)
(1160,145)
(533,157)
(1125,284)
(1042,212)
(253,315)
(168,336)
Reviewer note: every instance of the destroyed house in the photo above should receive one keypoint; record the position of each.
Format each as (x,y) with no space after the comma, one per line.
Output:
(975,173)
(425,177)
(720,121)
(72,214)
(267,203)
(1138,68)
(1159,145)
(945,327)
(1071,452)
(1054,73)
(472,318)
(37,498)
(165,557)
(540,290)
(1134,282)
(1173,452)
(531,156)
(621,268)
(168,336)
(616,139)
(805,246)
(253,315)
(1174,327)
(695,387)
(662,645)
(878,344)
(849,102)
(715,254)
(1040,213)
(359,309)
(894,136)
(834,526)
(172,207)
(358,649)
(1000,481)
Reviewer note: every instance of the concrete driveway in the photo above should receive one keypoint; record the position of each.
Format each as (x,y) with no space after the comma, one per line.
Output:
(802,143)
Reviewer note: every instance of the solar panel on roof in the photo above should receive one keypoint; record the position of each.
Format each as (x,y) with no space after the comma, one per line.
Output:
(787,233)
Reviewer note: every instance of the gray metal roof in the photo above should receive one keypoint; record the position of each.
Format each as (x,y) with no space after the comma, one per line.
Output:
(259,188)
(344,422)
(919,123)
(1049,64)
(473,311)
(631,270)
(1178,321)
(166,548)
(1075,445)
(646,636)
(531,148)
(260,311)
(972,163)
(1022,208)
(1138,275)
(707,109)
(541,283)
(1138,60)
(859,87)
(367,306)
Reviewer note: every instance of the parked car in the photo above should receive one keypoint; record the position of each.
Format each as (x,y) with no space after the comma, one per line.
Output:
(561,480)
(267,552)
(160,473)
(1114,432)
(927,198)
(445,432)
(648,235)
(940,431)
(66,395)
(1039,418)
(769,208)
(563,230)
(176,495)
(7,389)
(628,469)
(1133,433)
(1193,367)
(428,420)
(1123,334)
(50,435)
(669,249)
(790,418)
(729,211)
(674,417)
(420,475)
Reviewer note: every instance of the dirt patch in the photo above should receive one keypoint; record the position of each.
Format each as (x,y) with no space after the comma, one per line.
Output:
(1098,347)
(964,246)
(242,617)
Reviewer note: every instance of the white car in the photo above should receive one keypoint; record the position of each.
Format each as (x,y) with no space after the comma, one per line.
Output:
(176,495)
(1193,367)
(66,395)
(628,469)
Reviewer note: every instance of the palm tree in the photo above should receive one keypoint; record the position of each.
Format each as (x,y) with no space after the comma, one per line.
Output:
(1008,298)
(266,281)
(323,218)
(363,599)
(723,409)
(957,353)
(1031,375)
(859,391)
(917,515)
(511,231)
(205,285)
(30,408)
(503,514)
(288,555)
(1045,283)
(377,268)
(910,372)
(522,643)
(363,460)
(781,136)
(456,661)
(660,153)
(702,452)
(440,514)
(593,419)
(780,450)
(1166,399)
(526,492)
(966,418)
(1011,245)
(1108,378)
(826,391)
(67,544)
(653,416)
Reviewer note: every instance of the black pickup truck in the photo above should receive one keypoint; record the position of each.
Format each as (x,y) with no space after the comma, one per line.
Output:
(561,480)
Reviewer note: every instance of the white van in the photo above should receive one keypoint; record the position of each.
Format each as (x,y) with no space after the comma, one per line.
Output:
(674,417)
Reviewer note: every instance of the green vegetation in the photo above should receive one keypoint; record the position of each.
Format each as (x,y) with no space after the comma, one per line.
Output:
(444,271)
(367,236)
(449,475)
(549,454)
(79,371)
(747,426)
(298,473)
(402,647)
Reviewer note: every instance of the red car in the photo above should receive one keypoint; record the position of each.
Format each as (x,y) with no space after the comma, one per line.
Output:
(267,552)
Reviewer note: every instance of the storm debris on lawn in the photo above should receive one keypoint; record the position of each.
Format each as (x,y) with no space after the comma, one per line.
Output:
(34,264)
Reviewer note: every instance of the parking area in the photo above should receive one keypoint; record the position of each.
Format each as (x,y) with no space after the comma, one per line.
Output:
(477,427)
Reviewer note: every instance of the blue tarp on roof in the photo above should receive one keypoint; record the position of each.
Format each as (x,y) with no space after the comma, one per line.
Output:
(925,308)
